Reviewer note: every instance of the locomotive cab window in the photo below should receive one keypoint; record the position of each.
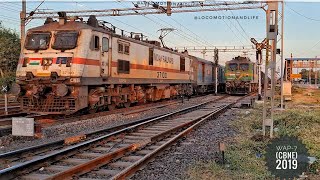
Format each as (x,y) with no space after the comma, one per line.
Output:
(105,44)
(233,66)
(38,41)
(182,64)
(244,67)
(123,67)
(65,40)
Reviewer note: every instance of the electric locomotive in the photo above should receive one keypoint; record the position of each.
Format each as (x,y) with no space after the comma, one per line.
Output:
(241,76)
(71,65)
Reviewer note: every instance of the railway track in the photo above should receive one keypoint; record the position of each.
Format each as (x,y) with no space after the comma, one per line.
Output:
(113,155)
(49,120)
(13,107)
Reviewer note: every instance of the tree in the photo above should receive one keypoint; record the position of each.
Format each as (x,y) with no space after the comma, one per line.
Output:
(9,54)
(9,49)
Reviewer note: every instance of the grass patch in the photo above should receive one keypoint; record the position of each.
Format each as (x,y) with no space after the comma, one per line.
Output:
(243,153)
(303,123)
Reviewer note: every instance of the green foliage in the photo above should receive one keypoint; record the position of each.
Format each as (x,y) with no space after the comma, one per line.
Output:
(9,49)
(9,54)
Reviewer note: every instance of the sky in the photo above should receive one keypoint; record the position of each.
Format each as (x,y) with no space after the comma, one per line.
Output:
(301,25)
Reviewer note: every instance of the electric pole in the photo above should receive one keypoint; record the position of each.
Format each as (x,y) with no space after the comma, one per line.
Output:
(23,23)
(216,62)
(272,32)
(282,55)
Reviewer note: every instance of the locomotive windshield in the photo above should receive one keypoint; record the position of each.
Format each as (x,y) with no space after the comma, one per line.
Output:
(233,66)
(37,41)
(244,67)
(65,40)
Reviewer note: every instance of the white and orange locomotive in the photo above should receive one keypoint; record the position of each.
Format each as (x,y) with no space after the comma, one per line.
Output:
(70,65)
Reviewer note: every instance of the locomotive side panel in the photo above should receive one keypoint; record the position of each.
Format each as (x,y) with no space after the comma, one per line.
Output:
(144,62)
(91,54)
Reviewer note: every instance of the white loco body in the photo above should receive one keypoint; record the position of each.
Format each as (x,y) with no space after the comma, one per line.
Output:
(70,65)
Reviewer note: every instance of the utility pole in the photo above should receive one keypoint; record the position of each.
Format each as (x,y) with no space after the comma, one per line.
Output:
(316,73)
(309,74)
(272,32)
(282,54)
(23,23)
(216,62)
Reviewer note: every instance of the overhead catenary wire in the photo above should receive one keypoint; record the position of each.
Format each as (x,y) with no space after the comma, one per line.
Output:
(136,28)
(194,40)
(181,35)
(312,19)
(160,24)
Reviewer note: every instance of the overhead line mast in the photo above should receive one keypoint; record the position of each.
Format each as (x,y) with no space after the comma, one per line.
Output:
(155,9)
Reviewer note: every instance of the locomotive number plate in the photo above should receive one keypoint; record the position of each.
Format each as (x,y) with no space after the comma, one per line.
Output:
(162,75)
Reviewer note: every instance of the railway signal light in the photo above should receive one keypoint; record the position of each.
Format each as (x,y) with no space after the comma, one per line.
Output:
(254,41)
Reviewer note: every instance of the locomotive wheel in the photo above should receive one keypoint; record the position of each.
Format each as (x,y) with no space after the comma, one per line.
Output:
(127,104)
(93,110)
(111,107)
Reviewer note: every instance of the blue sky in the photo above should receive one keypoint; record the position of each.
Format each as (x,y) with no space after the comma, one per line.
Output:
(302,24)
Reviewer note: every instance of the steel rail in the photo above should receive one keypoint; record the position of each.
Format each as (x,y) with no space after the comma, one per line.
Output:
(137,165)
(58,120)
(61,142)
(13,171)
(105,159)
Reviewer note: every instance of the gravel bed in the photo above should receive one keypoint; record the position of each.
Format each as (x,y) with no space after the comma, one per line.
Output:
(58,132)
(199,146)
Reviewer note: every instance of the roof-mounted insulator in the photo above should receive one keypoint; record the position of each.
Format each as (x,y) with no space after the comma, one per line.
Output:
(48,20)
(92,21)
(62,18)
